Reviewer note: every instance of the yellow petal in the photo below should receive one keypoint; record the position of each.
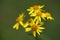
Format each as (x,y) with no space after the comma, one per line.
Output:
(51,18)
(31,10)
(28,9)
(41,28)
(37,22)
(21,22)
(16,26)
(41,23)
(25,25)
(28,29)
(39,19)
(34,33)
(43,16)
(38,32)
(41,6)
(21,15)
(35,18)
(33,14)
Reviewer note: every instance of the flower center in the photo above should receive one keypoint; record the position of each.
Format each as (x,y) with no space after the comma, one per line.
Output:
(36,7)
(48,14)
(34,27)
(18,19)
(39,14)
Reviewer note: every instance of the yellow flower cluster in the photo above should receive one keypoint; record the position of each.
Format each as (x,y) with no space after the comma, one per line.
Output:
(35,22)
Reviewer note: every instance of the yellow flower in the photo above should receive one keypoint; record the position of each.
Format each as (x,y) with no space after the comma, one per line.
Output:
(38,15)
(29,21)
(35,27)
(19,21)
(48,16)
(35,8)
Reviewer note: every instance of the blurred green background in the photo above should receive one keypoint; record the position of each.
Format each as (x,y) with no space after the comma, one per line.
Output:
(10,9)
